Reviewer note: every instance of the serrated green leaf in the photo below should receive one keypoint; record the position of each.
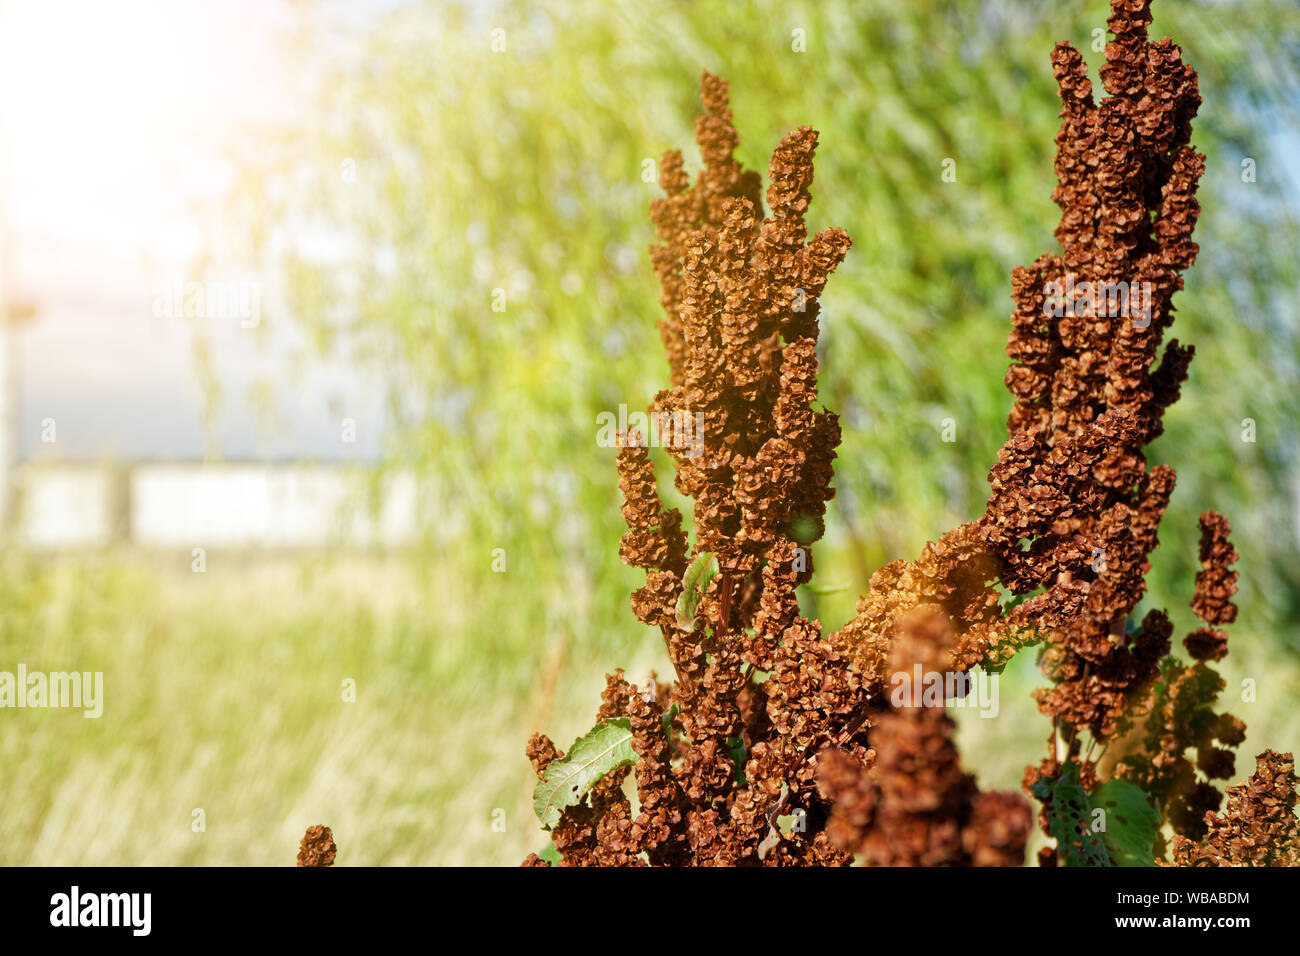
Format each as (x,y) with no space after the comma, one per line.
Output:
(695,582)
(1069,812)
(567,780)
(1131,823)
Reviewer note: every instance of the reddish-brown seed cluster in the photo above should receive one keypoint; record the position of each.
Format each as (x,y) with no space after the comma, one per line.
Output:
(907,802)
(1074,509)
(1259,826)
(752,676)
(687,209)
(1216,583)
(317,847)
(778,744)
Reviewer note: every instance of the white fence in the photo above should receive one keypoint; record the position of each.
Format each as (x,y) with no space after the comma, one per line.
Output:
(167,506)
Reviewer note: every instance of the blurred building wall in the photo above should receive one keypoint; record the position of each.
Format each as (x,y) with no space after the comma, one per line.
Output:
(185,506)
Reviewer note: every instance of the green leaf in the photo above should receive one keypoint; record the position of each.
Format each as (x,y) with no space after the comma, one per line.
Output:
(1069,818)
(804,530)
(566,781)
(1123,833)
(551,855)
(1131,823)
(667,718)
(792,823)
(695,582)
(736,747)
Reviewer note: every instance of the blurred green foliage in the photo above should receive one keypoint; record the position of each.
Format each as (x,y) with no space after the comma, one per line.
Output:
(474,170)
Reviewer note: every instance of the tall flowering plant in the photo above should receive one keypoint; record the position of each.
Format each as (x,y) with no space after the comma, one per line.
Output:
(776,743)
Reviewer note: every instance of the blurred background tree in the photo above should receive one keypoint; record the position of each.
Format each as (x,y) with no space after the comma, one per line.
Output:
(462,158)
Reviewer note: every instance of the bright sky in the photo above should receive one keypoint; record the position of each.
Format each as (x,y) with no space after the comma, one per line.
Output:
(113,120)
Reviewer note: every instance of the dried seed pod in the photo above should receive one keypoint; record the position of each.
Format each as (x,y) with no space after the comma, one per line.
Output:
(317,847)
(1259,827)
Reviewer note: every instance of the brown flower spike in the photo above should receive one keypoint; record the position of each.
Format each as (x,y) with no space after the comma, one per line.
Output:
(1074,508)
(760,695)
(317,847)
